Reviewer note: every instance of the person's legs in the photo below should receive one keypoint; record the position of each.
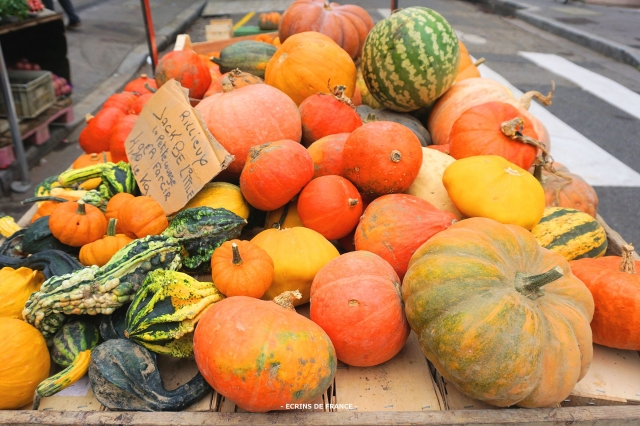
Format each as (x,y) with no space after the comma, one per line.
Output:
(48,4)
(70,11)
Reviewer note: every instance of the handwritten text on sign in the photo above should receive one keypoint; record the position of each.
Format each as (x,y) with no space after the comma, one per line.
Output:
(171,152)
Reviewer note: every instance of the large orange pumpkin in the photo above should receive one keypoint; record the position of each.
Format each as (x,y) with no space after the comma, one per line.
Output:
(348,25)
(481,130)
(614,283)
(119,136)
(95,137)
(395,225)
(328,114)
(122,101)
(381,157)
(331,206)
(356,299)
(275,172)
(186,67)
(139,85)
(263,356)
(566,189)
(75,223)
(137,106)
(326,154)
(466,66)
(142,216)
(475,91)
(306,63)
(24,363)
(249,116)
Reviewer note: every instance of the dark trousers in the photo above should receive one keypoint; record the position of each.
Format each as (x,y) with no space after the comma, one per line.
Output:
(67,6)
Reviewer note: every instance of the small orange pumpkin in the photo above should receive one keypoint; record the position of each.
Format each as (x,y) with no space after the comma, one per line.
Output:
(142,216)
(241,268)
(326,154)
(113,207)
(75,223)
(101,251)
(269,21)
(466,67)
(122,101)
(139,85)
(49,205)
(86,160)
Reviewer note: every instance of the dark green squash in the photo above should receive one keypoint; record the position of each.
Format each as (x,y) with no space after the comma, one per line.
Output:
(38,237)
(125,377)
(113,326)
(369,114)
(249,56)
(71,339)
(52,263)
(12,246)
(201,230)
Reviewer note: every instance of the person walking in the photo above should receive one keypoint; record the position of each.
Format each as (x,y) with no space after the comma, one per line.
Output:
(67,6)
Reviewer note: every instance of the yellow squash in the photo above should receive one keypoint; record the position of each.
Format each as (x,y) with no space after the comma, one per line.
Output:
(16,285)
(221,195)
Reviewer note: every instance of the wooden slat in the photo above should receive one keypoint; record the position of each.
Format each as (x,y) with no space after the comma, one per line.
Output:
(400,384)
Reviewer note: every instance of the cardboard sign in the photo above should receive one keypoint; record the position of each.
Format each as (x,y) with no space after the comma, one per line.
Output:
(171,151)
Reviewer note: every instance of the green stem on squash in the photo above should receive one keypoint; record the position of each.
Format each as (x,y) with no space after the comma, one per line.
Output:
(237,260)
(628,263)
(81,208)
(111,227)
(279,223)
(531,285)
(286,299)
(44,198)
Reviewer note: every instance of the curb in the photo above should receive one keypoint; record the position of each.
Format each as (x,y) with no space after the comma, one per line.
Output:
(524,12)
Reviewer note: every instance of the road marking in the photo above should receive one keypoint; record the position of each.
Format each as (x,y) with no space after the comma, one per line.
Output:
(571,148)
(385,13)
(244,20)
(589,81)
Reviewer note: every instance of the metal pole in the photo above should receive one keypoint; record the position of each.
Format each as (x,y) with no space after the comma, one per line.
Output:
(151,36)
(394,5)
(24,185)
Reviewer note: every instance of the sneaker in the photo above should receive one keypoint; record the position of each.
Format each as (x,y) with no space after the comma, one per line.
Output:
(74,26)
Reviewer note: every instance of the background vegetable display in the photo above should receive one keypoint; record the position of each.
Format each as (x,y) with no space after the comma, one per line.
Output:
(513,327)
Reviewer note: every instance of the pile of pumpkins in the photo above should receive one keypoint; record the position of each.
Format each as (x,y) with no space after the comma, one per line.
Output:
(443,214)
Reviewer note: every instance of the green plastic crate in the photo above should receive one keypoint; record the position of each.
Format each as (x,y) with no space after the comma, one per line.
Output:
(32,91)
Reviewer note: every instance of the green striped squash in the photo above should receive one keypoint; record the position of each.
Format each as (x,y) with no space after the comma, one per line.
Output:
(571,233)
(410,59)
(72,339)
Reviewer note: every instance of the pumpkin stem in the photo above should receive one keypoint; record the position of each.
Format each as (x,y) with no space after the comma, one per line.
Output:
(479,62)
(513,129)
(88,118)
(45,198)
(396,156)
(525,100)
(531,285)
(149,88)
(353,202)
(338,93)
(143,75)
(370,118)
(81,208)
(111,228)
(237,260)
(327,5)
(279,223)
(628,263)
(545,162)
(286,299)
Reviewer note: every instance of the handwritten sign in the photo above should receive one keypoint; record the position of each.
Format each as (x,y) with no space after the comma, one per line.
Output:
(171,151)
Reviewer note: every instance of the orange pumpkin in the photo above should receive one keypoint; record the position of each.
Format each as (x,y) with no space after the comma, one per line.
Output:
(50,205)
(328,114)
(278,357)
(122,101)
(357,97)
(75,223)
(481,130)
(356,300)
(100,252)
(237,79)
(142,216)
(326,154)
(186,67)
(614,283)
(137,106)
(331,206)
(381,157)
(306,63)
(475,91)
(395,225)
(241,268)
(566,189)
(86,160)
(139,85)
(119,136)
(275,172)
(24,363)
(269,21)
(95,137)
(348,25)
(273,117)
(113,207)
(466,66)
